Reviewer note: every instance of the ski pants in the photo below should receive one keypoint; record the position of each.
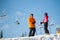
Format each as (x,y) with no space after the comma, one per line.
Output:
(46,28)
(32,31)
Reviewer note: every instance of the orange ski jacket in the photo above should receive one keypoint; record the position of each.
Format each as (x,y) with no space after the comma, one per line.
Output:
(31,22)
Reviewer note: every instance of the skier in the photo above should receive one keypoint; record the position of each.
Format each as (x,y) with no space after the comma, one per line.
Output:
(31,22)
(45,21)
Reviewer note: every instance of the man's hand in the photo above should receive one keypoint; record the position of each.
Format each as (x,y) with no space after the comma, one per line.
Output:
(41,22)
(33,22)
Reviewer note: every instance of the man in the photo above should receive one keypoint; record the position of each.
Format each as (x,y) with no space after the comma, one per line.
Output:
(45,21)
(31,22)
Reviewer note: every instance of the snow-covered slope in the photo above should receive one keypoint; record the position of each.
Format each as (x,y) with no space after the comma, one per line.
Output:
(38,37)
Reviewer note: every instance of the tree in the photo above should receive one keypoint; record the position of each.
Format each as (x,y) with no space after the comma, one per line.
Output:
(1,34)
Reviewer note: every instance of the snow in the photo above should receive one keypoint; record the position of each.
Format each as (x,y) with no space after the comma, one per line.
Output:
(38,37)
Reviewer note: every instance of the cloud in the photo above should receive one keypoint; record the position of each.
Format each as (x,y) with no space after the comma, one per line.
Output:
(21,14)
(0,18)
(3,14)
(5,26)
(4,11)
(18,13)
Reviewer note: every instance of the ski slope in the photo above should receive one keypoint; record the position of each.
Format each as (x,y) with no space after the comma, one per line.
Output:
(38,37)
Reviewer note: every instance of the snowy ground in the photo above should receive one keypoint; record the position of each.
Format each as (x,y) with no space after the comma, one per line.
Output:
(38,37)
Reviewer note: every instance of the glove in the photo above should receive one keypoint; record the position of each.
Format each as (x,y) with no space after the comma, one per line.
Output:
(33,22)
(41,22)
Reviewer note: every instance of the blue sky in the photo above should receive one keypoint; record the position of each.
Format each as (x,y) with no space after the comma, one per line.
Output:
(22,9)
